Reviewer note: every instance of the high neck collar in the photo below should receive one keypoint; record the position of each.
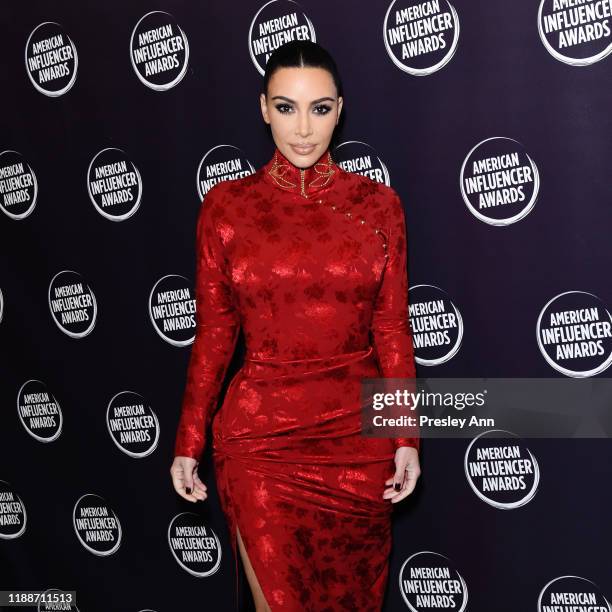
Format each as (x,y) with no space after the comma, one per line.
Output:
(305,182)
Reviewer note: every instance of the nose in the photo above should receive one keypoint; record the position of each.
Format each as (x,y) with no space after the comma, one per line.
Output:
(303,129)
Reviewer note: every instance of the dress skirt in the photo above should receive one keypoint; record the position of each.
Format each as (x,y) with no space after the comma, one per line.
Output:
(302,485)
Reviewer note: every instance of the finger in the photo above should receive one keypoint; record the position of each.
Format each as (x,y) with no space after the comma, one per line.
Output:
(179,487)
(177,480)
(391,493)
(188,479)
(411,480)
(199,488)
(401,495)
(409,485)
(198,482)
(181,480)
(398,478)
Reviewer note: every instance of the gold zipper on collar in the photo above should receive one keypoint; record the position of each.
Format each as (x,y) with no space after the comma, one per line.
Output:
(302,174)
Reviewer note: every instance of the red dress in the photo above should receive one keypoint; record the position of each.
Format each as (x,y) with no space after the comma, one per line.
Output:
(312,265)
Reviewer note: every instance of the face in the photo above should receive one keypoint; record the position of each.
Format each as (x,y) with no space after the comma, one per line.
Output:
(302,107)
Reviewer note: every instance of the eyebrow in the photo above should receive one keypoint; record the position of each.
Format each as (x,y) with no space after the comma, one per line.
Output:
(313,102)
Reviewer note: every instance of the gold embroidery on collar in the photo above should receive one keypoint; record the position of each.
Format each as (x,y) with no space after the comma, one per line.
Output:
(279,170)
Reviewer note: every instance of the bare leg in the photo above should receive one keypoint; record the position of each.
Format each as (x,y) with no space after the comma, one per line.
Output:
(261,605)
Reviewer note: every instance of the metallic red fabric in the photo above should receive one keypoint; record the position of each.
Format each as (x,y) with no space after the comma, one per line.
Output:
(312,265)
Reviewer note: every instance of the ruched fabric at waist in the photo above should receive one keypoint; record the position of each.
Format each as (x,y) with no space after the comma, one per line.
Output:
(275,368)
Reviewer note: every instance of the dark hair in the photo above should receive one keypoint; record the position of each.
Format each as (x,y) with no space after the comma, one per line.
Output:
(299,54)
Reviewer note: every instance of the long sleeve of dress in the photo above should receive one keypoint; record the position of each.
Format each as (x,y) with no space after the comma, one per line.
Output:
(392,335)
(217,329)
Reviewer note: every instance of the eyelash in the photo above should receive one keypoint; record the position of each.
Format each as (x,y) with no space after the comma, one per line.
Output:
(320,106)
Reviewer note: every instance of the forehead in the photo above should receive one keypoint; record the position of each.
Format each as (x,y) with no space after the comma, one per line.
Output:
(305,82)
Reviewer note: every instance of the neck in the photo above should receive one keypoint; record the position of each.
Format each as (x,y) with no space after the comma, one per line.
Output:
(305,182)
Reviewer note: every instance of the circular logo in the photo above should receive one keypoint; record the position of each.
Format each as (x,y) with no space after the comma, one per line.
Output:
(276,23)
(114,184)
(574,334)
(575,33)
(502,472)
(132,425)
(51,59)
(172,309)
(12,513)
(18,186)
(420,37)
(572,593)
(195,546)
(159,51)
(428,580)
(39,411)
(222,163)
(499,182)
(72,304)
(360,158)
(56,599)
(96,525)
(436,323)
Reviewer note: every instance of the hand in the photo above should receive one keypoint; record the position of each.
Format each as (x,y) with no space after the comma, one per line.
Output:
(407,471)
(185,479)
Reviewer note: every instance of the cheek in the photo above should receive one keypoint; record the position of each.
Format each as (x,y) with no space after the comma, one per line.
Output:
(327,123)
(280,124)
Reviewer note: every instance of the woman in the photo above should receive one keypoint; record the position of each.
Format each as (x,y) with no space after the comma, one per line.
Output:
(310,261)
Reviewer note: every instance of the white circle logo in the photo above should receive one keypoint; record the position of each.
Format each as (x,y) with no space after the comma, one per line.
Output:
(195,546)
(499,182)
(360,158)
(572,593)
(96,525)
(72,304)
(172,309)
(114,184)
(436,323)
(13,517)
(420,37)
(18,186)
(502,472)
(575,33)
(574,333)
(51,59)
(222,163)
(132,425)
(56,599)
(276,23)
(428,580)
(159,51)
(39,411)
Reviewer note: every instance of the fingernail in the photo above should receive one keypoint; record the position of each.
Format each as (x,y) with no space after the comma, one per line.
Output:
(188,489)
(397,486)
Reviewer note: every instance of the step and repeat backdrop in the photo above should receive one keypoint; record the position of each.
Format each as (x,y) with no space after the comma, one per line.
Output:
(491,120)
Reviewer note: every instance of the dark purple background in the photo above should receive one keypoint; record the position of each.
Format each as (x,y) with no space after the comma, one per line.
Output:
(501,82)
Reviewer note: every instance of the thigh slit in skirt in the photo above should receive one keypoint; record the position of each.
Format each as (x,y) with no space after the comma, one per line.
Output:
(303,486)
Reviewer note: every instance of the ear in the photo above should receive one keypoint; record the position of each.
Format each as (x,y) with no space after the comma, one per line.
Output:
(340,103)
(264,107)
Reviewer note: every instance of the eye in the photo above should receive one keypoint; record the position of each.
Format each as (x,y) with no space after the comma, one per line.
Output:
(283,108)
(322,109)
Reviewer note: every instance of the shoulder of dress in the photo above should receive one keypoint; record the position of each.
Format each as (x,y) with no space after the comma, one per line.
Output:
(380,198)
(236,187)
(364,184)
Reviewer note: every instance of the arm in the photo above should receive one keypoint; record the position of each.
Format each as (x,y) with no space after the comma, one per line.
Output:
(217,328)
(391,331)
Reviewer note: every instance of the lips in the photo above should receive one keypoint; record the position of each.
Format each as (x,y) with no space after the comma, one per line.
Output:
(303,149)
